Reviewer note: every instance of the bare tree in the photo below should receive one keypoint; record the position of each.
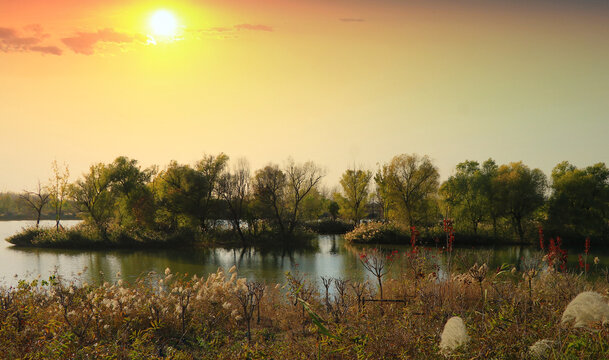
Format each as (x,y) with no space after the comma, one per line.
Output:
(36,200)
(301,179)
(58,189)
(234,188)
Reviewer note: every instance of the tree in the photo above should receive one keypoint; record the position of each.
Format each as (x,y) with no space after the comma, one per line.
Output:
(520,191)
(412,182)
(382,194)
(300,180)
(234,188)
(178,191)
(333,209)
(354,199)
(488,187)
(37,200)
(579,205)
(133,198)
(58,189)
(92,196)
(210,168)
(463,192)
(270,191)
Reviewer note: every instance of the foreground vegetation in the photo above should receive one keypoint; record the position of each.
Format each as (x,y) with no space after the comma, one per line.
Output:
(222,316)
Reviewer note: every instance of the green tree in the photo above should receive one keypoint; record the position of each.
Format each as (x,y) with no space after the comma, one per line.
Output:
(579,205)
(92,196)
(463,192)
(355,194)
(178,192)
(270,186)
(134,202)
(210,168)
(521,191)
(413,182)
(382,193)
(333,209)
(489,189)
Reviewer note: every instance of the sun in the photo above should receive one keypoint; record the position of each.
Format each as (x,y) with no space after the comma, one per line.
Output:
(163,23)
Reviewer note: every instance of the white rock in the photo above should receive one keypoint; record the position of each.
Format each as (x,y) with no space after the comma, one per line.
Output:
(454,335)
(587,308)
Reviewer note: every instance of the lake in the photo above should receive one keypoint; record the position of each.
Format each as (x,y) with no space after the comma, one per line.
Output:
(328,256)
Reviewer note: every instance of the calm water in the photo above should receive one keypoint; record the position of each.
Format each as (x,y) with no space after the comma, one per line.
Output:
(328,257)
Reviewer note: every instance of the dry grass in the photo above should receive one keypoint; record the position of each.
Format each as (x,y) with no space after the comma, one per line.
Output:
(170,316)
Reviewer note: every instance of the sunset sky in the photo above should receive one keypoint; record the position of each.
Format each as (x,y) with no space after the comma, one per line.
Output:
(337,82)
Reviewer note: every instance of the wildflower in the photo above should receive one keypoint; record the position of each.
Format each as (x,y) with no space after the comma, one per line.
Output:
(596,260)
(454,335)
(167,271)
(586,308)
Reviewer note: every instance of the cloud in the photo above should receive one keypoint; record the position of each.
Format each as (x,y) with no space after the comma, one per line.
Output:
(253,27)
(84,42)
(12,41)
(220,29)
(53,50)
(352,19)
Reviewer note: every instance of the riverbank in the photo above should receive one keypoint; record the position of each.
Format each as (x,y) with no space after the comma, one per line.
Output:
(86,237)
(221,316)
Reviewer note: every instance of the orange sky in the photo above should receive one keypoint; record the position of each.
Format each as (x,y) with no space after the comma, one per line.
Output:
(340,83)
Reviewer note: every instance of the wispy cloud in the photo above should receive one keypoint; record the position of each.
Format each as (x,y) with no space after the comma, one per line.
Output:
(229,32)
(53,50)
(85,42)
(352,19)
(253,27)
(13,41)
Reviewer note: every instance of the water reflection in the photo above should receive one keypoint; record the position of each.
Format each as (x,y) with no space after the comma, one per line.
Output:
(327,257)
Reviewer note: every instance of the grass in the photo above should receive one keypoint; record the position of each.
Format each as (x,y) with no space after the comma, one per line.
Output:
(170,316)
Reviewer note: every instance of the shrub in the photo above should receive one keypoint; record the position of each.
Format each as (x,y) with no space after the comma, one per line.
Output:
(376,232)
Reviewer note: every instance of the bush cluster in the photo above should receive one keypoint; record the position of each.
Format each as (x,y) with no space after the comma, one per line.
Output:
(377,232)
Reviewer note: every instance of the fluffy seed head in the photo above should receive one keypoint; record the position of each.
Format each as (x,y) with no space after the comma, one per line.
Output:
(541,349)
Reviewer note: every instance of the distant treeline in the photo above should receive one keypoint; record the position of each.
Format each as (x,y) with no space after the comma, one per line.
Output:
(13,207)
(214,198)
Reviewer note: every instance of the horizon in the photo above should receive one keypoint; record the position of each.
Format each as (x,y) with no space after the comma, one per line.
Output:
(341,84)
